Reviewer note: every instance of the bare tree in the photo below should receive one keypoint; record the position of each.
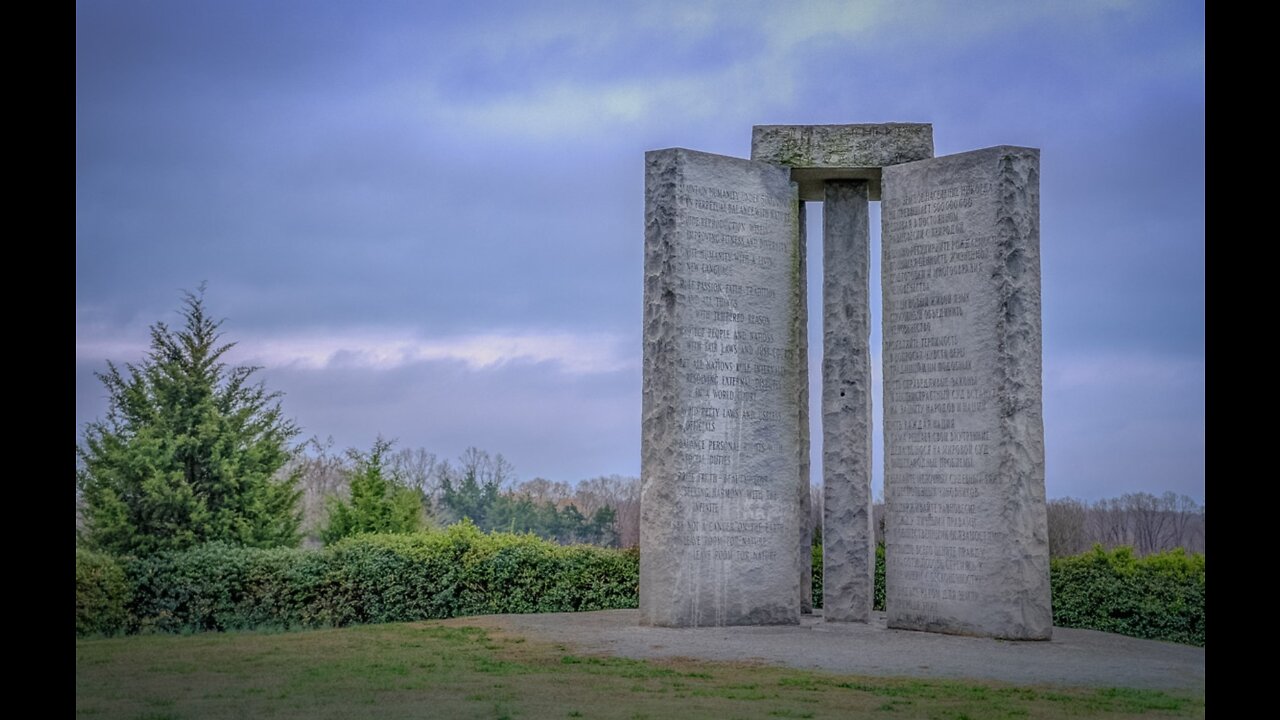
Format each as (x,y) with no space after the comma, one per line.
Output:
(1142,521)
(1066,526)
(322,473)
(1150,522)
(487,468)
(1195,539)
(815,513)
(1186,523)
(591,495)
(622,493)
(1108,523)
(417,467)
(628,522)
(541,490)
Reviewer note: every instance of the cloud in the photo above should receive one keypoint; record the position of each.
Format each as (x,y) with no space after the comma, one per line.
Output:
(426,220)
(565,109)
(574,353)
(389,349)
(665,62)
(679,62)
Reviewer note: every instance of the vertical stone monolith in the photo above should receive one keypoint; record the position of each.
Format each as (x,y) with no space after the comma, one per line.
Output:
(848,540)
(967,544)
(720,449)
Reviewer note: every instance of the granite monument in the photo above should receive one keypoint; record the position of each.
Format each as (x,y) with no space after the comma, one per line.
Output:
(725,477)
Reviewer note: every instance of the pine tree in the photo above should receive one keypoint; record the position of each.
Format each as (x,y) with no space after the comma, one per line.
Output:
(469,497)
(380,502)
(189,450)
(601,529)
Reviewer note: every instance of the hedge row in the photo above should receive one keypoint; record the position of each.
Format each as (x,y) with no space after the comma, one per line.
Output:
(101,594)
(1159,596)
(462,571)
(365,579)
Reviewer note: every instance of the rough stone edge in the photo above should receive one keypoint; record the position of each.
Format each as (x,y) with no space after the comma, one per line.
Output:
(662,173)
(800,337)
(668,165)
(1020,378)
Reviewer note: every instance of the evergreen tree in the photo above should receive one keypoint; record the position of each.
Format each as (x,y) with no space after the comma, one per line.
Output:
(513,514)
(380,502)
(601,530)
(189,450)
(549,521)
(572,525)
(469,496)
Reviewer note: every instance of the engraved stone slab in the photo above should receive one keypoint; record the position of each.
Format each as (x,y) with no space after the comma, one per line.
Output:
(817,153)
(720,448)
(966,546)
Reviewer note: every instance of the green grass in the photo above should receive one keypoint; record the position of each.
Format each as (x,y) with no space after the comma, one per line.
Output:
(449,670)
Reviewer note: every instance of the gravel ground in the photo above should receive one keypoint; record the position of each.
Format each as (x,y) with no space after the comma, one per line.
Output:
(1072,658)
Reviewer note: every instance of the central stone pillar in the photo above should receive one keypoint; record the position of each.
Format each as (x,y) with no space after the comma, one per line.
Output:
(848,556)
(841,166)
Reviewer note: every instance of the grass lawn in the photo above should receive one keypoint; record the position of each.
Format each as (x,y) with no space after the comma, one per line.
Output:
(448,670)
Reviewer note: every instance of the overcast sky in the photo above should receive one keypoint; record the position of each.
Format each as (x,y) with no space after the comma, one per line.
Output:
(425,219)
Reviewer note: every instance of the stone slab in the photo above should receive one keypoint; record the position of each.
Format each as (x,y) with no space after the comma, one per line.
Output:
(817,153)
(720,447)
(966,544)
(848,555)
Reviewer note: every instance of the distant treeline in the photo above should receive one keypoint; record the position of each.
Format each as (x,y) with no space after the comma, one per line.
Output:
(1142,521)
(605,510)
(480,487)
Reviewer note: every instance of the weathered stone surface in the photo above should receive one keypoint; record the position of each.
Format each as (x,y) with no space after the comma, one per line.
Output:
(967,548)
(818,153)
(848,557)
(720,456)
(802,367)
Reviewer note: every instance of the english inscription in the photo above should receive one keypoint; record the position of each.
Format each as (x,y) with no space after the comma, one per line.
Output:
(719,477)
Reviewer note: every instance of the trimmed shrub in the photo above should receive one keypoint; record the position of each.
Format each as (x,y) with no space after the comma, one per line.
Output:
(102,594)
(211,587)
(462,571)
(374,579)
(1160,596)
